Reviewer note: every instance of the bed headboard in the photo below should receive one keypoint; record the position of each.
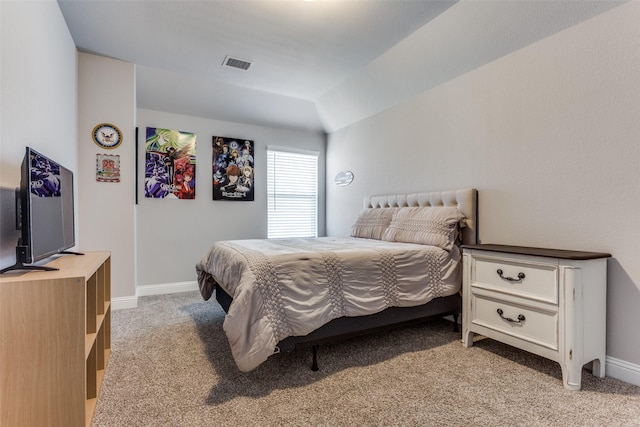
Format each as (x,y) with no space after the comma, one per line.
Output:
(466,200)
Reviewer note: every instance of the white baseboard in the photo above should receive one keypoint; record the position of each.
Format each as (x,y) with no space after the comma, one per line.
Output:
(120,303)
(621,370)
(166,288)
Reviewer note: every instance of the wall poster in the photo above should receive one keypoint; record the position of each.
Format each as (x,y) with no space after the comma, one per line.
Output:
(170,164)
(107,168)
(232,169)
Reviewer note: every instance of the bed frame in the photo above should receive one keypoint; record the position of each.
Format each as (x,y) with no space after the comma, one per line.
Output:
(466,201)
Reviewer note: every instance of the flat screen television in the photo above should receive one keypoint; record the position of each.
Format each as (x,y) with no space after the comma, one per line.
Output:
(44,211)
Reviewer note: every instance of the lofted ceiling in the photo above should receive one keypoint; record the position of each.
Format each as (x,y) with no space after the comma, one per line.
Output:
(315,65)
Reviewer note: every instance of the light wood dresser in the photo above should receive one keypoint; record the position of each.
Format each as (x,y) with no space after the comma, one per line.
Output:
(55,340)
(545,301)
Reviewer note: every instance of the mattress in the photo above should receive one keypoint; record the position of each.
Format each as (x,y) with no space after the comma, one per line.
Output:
(290,287)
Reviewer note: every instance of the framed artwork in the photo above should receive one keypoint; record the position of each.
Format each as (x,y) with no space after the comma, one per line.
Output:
(170,164)
(107,168)
(233,167)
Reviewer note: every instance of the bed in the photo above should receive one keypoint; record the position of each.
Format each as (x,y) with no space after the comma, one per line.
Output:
(401,264)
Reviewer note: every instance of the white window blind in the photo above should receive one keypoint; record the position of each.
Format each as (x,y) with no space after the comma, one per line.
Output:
(292,194)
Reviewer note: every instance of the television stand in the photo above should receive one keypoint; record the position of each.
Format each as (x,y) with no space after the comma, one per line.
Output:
(55,342)
(70,253)
(19,265)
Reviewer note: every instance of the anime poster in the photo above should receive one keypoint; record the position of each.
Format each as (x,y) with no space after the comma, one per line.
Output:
(45,176)
(107,168)
(170,164)
(232,169)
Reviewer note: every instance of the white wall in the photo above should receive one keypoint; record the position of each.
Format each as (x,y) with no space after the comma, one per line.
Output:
(38,98)
(173,235)
(106,89)
(548,135)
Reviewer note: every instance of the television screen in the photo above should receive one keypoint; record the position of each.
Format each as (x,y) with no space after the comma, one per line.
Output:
(44,211)
(49,218)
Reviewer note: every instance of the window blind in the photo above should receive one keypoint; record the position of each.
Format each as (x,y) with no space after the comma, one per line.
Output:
(292,194)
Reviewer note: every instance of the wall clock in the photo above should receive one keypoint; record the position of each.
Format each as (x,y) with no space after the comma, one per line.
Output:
(107,136)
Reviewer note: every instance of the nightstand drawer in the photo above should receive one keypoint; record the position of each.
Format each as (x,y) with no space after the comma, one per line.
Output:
(515,277)
(530,324)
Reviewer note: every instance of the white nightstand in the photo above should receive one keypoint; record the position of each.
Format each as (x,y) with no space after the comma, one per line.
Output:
(546,301)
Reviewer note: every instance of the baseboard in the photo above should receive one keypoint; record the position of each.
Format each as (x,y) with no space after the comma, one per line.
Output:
(166,288)
(121,303)
(621,370)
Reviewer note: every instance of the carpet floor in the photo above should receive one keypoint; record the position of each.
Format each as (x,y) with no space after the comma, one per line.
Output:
(170,365)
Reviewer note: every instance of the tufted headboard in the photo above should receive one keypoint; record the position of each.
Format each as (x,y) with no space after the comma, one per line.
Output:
(466,200)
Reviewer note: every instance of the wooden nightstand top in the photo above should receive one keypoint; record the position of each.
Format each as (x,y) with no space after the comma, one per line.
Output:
(544,252)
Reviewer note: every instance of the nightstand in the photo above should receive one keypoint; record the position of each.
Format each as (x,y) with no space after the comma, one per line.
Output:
(546,301)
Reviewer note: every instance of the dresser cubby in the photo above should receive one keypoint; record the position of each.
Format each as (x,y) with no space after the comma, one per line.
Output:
(55,341)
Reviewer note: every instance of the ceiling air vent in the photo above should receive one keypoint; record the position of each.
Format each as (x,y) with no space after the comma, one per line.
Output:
(232,62)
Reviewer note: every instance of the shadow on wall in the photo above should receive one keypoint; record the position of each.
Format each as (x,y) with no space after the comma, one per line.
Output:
(623,300)
(8,234)
(617,272)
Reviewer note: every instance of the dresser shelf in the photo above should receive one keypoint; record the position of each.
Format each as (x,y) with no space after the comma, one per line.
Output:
(55,341)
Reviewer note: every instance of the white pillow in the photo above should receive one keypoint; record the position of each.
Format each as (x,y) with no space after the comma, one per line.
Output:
(433,225)
(372,223)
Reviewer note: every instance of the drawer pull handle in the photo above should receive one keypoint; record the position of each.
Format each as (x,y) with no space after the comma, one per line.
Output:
(508,319)
(510,279)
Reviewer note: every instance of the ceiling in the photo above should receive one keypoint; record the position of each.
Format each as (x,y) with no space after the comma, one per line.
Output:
(315,65)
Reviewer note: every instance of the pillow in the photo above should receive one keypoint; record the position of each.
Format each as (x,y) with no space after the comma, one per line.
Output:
(372,223)
(433,225)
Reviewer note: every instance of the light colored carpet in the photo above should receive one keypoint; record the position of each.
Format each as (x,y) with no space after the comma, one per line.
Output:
(170,365)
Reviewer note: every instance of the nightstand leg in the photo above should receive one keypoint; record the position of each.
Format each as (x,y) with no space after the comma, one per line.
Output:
(597,368)
(571,376)
(467,338)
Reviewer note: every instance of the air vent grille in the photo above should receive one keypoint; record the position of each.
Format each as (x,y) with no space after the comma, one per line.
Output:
(240,64)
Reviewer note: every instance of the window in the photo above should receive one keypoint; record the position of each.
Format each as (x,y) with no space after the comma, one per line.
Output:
(292,193)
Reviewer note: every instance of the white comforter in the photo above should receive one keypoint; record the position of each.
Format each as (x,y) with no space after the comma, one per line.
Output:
(284,288)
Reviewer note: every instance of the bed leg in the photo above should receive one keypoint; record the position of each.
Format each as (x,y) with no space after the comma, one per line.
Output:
(314,352)
(455,323)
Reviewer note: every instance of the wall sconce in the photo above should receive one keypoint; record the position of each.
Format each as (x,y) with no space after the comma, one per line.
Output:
(343,178)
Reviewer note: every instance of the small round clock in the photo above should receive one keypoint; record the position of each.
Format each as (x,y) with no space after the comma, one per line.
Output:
(107,136)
